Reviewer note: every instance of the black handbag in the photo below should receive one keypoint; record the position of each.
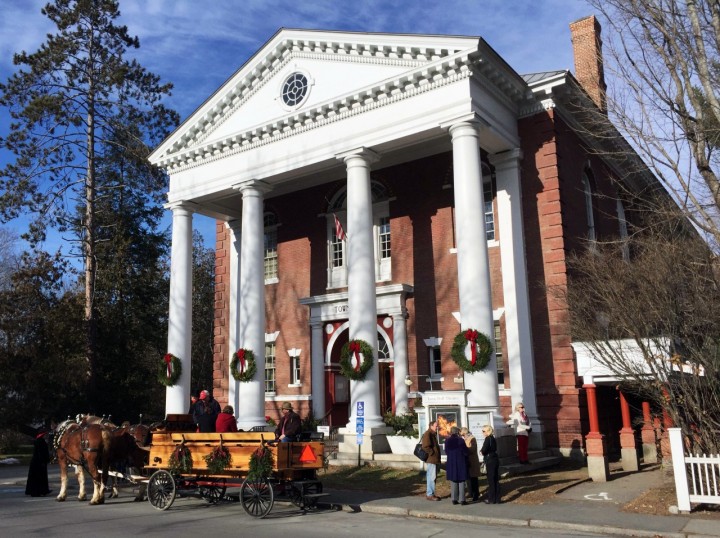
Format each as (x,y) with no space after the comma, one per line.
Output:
(420,453)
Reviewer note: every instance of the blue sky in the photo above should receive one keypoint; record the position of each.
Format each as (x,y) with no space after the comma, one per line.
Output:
(197,45)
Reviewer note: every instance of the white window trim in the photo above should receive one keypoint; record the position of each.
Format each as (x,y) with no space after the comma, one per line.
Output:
(294,353)
(270,338)
(433,343)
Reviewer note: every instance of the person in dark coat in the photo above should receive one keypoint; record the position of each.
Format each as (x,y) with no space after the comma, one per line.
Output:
(226,421)
(456,467)
(289,426)
(205,412)
(37,480)
(492,465)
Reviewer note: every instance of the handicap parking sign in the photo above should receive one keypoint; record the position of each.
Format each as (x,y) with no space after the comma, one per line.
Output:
(360,409)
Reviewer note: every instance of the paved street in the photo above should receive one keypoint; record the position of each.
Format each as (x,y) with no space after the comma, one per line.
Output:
(26,516)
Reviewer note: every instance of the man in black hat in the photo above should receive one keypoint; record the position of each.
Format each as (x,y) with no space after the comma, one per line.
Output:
(289,426)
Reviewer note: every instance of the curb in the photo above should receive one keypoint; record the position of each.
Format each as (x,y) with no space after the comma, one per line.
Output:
(498,521)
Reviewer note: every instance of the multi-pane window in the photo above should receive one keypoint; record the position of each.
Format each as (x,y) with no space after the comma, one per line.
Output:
(295,370)
(587,191)
(271,244)
(337,250)
(488,195)
(269,366)
(497,342)
(435,362)
(384,237)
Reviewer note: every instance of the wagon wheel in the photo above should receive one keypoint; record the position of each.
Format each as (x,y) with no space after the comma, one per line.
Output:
(256,496)
(214,493)
(161,490)
(297,494)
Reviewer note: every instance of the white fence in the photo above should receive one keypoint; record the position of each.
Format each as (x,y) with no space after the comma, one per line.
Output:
(697,478)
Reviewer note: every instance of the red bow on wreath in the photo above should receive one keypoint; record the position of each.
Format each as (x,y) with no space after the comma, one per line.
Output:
(168,362)
(472,336)
(354,347)
(241,360)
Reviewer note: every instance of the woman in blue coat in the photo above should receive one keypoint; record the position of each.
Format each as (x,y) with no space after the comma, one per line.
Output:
(456,466)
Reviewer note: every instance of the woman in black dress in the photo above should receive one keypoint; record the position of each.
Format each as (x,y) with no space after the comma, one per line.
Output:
(37,481)
(492,465)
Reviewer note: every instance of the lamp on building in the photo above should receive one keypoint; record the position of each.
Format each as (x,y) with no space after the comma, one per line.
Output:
(409,381)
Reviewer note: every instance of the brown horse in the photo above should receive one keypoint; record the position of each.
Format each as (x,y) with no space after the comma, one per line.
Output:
(127,452)
(84,446)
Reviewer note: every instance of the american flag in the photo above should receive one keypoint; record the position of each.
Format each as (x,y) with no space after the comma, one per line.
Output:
(339,232)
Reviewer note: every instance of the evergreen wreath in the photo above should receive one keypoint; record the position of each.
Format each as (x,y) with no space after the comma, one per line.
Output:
(481,350)
(180,460)
(243,366)
(218,460)
(355,348)
(170,370)
(261,463)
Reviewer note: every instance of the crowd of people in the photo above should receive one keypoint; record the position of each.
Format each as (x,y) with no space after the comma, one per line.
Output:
(463,467)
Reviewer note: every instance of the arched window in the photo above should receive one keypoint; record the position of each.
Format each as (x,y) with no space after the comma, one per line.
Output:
(337,246)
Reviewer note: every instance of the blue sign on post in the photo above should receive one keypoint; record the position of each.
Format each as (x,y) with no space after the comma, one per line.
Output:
(360,425)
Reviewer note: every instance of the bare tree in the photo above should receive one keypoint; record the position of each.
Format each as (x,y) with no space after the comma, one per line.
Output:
(654,321)
(662,62)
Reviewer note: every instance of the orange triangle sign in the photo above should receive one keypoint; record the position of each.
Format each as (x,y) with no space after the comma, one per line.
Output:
(307,455)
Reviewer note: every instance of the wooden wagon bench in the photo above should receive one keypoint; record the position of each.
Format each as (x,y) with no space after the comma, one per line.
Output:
(292,474)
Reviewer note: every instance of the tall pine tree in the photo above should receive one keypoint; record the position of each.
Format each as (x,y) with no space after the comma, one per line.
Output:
(78,99)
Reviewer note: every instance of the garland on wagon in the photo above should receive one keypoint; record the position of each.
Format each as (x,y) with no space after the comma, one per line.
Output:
(261,463)
(361,352)
(481,350)
(218,460)
(170,370)
(243,366)
(180,460)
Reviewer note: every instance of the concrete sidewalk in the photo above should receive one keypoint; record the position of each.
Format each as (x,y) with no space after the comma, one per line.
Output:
(586,507)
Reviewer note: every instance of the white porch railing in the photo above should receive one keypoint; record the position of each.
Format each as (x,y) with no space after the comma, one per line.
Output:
(697,478)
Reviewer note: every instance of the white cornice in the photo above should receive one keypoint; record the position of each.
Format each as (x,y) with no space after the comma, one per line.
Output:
(387,49)
(439,73)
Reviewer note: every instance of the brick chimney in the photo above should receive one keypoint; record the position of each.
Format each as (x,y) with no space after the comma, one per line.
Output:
(587,49)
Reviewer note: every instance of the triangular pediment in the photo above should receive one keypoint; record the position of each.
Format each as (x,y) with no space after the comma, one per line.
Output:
(335,67)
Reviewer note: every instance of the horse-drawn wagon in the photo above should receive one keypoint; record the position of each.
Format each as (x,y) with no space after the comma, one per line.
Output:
(206,464)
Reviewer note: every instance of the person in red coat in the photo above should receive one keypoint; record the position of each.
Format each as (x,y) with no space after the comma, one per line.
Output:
(225,421)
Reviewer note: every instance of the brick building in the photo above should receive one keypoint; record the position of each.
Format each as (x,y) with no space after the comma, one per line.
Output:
(462,187)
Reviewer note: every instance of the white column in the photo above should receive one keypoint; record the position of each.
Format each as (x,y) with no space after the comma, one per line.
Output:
(318,370)
(234,235)
(361,280)
(472,256)
(400,366)
(177,398)
(251,331)
(515,287)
